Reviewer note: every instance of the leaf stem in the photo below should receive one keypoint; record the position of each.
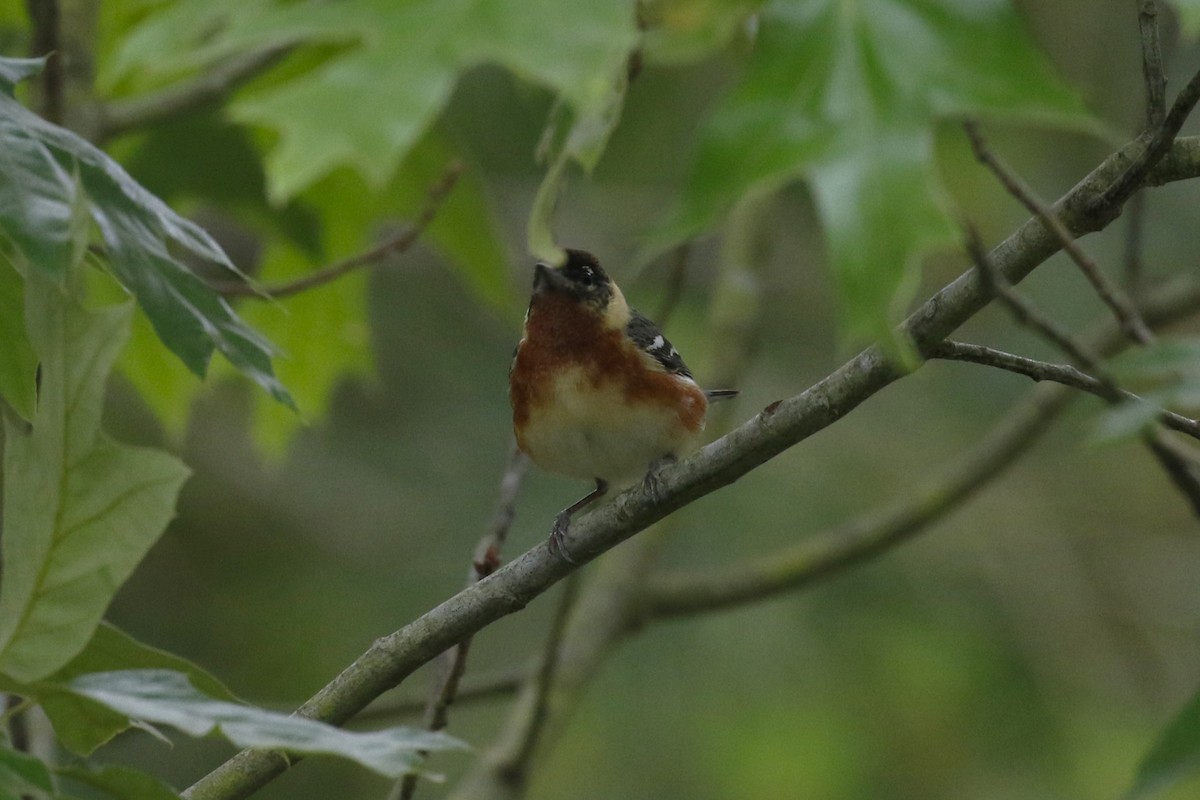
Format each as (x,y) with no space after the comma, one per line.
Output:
(122,116)
(396,244)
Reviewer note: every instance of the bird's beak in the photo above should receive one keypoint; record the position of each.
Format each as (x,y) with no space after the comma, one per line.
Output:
(546,277)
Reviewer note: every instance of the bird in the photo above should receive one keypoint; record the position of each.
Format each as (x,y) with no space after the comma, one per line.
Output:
(597,391)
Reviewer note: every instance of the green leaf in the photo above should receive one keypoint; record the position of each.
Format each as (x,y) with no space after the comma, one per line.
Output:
(80,510)
(18,364)
(15,70)
(395,72)
(1189,16)
(845,95)
(164,383)
(82,724)
(680,31)
(121,783)
(1166,374)
(165,697)
(1174,757)
(1166,360)
(42,168)
(39,200)
(23,776)
(338,311)
(461,231)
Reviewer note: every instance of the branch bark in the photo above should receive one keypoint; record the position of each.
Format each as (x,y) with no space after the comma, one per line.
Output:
(773,430)
(1058,373)
(687,593)
(1152,64)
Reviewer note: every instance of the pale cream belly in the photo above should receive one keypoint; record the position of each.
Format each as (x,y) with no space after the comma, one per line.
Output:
(588,433)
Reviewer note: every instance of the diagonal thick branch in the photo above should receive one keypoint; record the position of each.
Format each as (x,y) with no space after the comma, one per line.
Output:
(683,593)
(392,658)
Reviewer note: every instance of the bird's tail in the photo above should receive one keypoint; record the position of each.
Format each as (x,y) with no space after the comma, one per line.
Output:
(720,394)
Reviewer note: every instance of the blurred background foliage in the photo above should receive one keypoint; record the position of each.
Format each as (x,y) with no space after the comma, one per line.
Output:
(1032,645)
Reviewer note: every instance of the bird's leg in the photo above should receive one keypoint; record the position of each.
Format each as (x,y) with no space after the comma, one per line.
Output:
(651,482)
(558,534)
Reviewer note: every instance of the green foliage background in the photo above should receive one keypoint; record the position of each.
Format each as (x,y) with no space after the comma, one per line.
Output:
(1032,645)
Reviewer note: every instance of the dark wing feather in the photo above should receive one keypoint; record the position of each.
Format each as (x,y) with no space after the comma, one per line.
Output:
(647,336)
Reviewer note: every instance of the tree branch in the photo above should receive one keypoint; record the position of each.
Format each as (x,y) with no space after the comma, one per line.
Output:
(1178,465)
(397,244)
(1027,314)
(472,688)
(1152,64)
(213,84)
(393,657)
(485,561)
(1156,144)
(611,606)
(1109,292)
(692,592)
(1058,373)
(513,769)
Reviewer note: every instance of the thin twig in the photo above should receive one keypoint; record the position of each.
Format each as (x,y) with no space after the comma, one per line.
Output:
(1065,374)
(689,592)
(1152,64)
(1155,145)
(1023,310)
(1180,464)
(392,658)
(485,561)
(515,770)
(470,689)
(396,244)
(1177,465)
(215,83)
(1109,292)
(611,604)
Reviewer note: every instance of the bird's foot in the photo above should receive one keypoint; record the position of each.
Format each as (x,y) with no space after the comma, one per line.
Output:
(652,483)
(557,543)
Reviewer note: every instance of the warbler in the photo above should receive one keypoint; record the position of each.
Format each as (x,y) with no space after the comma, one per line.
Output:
(597,391)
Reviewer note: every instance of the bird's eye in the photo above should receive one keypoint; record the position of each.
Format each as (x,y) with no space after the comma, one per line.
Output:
(587,277)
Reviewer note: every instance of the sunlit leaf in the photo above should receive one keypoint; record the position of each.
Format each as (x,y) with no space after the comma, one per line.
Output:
(1174,757)
(164,697)
(80,510)
(399,66)
(845,95)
